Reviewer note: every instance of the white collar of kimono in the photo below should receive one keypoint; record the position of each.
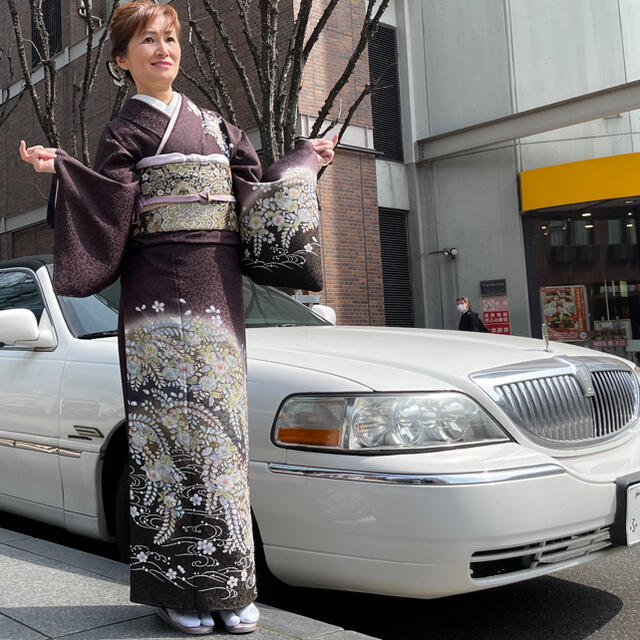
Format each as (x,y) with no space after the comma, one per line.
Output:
(158,104)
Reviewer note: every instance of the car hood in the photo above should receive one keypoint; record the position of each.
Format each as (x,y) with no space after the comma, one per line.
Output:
(390,359)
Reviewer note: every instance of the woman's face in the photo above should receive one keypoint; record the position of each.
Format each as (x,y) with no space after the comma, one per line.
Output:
(153,57)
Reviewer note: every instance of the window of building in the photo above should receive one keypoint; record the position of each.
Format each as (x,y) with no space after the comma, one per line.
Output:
(27,241)
(52,16)
(385,102)
(396,275)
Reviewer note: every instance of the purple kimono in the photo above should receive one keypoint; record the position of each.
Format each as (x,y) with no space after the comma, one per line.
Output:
(166,221)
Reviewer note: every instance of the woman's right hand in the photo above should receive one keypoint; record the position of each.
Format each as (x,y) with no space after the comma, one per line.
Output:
(40,157)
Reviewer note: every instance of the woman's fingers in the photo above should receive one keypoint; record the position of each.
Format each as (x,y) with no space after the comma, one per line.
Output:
(24,154)
(40,157)
(324,148)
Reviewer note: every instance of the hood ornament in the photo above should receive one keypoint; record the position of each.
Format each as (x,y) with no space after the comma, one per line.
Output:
(584,378)
(545,336)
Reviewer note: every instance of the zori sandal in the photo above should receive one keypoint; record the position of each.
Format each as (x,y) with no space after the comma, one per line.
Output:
(185,621)
(241,620)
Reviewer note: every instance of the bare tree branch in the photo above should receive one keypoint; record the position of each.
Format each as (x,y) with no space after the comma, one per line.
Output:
(121,96)
(269,25)
(369,88)
(44,115)
(91,62)
(5,109)
(287,114)
(235,61)
(217,91)
(333,122)
(369,27)
(253,48)
(48,66)
(322,23)
(75,89)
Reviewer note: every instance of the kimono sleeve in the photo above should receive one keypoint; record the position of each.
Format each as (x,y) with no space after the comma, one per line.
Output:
(92,215)
(278,215)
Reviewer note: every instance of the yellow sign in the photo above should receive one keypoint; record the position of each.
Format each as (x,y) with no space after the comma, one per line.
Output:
(581,182)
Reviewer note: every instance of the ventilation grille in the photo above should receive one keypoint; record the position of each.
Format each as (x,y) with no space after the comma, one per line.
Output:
(496,562)
(396,277)
(556,409)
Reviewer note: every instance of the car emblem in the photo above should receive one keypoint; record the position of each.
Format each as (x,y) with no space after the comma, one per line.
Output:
(584,378)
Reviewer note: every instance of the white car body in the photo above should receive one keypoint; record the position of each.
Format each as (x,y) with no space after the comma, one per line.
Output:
(420,524)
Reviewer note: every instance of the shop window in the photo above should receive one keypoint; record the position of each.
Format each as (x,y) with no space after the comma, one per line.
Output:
(622,231)
(558,233)
(581,231)
(585,277)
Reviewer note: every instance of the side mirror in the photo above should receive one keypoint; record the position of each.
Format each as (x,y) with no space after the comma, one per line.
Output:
(325,312)
(19,327)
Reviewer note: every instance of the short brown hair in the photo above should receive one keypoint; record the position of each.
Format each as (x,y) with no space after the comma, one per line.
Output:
(134,16)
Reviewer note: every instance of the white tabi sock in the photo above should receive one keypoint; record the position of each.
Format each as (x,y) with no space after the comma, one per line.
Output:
(206,619)
(229,618)
(249,613)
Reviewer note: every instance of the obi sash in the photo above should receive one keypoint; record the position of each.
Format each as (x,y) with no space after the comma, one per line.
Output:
(184,192)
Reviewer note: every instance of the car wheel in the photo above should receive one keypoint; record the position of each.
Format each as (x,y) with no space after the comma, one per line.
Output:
(122,514)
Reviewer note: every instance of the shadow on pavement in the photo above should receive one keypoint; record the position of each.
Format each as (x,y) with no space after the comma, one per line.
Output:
(56,534)
(546,607)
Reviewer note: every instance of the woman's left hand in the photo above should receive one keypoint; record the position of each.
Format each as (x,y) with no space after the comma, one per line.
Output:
(324,149)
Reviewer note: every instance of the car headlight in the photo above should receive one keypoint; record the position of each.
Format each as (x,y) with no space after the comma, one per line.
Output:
(381,422)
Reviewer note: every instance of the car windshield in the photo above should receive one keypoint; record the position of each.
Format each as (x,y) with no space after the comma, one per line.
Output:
(97,315)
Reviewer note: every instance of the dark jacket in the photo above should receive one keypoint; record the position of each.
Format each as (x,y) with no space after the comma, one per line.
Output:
(469,321)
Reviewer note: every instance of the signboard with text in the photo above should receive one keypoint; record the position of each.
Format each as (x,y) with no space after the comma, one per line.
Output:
(493,287)
(495,314)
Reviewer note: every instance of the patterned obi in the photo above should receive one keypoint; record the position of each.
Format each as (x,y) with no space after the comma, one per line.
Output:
(184,193)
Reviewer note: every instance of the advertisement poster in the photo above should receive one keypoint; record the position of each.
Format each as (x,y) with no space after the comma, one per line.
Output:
(564,309)
(495,314)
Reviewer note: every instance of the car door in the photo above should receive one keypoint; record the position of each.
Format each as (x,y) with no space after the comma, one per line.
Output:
(29,410)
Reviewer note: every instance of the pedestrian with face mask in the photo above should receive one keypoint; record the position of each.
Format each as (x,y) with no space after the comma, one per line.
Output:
(469,320)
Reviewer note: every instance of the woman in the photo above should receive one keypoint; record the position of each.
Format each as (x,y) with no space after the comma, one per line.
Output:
(159,210)
(469,320)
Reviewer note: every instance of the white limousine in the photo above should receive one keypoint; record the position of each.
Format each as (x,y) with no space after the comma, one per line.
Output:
(409,462)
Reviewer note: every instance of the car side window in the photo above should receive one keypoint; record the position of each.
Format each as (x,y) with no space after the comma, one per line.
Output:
(19,290)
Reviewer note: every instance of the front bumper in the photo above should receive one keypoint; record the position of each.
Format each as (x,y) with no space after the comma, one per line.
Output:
(329,528)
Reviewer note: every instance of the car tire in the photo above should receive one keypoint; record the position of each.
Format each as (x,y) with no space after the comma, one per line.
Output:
(122,515)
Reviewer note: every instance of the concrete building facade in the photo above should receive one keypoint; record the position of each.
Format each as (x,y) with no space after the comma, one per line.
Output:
(483,88)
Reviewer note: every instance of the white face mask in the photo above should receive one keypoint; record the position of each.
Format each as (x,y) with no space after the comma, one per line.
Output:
(462,308)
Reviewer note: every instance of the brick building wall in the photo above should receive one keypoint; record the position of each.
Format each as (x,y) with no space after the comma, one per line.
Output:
(350,233)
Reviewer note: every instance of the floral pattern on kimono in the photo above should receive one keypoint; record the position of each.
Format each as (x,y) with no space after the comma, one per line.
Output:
(188,440)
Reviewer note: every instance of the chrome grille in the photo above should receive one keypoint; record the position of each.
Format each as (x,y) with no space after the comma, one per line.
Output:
(567,401)
(494,562)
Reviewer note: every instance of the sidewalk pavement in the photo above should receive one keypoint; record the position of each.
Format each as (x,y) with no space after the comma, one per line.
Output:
(50,591)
